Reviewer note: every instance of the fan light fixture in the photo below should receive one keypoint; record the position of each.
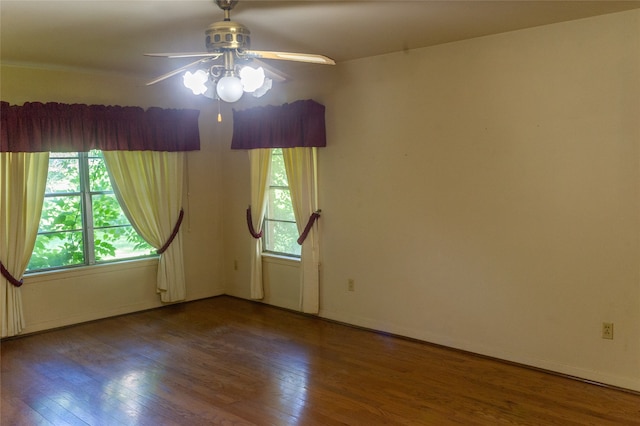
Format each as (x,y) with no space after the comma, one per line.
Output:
(251,78)
(196,81)
(229,87)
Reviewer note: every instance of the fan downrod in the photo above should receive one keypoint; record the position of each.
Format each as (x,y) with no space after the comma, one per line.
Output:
(226,5)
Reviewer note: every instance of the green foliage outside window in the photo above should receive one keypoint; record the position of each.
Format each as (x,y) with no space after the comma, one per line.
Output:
(82,222)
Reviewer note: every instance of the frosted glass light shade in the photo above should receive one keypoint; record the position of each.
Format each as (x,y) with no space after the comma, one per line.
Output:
(260,91)
(229,89)
(251,78)
(196,81)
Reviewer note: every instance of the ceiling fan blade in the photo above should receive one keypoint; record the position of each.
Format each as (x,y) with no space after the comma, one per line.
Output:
(177,71)
(186,55)
(272,72)
(288,56)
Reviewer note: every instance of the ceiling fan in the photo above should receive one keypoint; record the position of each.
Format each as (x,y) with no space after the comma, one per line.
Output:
(230,41)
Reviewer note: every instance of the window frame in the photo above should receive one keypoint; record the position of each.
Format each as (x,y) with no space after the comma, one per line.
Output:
(86,196)
(267,220)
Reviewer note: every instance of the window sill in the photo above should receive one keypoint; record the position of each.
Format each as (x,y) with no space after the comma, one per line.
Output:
(80,271)
(281,259)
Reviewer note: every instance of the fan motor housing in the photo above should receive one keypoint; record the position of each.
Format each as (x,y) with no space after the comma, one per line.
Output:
(226,35)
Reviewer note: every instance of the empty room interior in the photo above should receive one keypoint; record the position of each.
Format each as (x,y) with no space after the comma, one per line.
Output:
(473,200)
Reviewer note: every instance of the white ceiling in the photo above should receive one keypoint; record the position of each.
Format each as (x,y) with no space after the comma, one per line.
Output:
(111,36)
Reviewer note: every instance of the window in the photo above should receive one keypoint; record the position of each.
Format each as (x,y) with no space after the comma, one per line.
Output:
(280,229)
(82,222)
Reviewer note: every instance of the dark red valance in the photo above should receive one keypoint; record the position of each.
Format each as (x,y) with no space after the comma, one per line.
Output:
(298,124)
(55,127)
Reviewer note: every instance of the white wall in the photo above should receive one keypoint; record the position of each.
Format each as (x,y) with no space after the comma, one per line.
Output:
(484,195)
(67,297)
(281,282)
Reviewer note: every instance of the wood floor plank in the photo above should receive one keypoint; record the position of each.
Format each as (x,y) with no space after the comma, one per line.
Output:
(234,362)
(16,413)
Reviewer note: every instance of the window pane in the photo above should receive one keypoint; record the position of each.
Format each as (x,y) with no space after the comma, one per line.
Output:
(278,172)
(64,175)
(107,211)
(98,176)
(281,237)
(279,206)
(280,230)
(78,188)
(119,243)
(57,250)
(61,213)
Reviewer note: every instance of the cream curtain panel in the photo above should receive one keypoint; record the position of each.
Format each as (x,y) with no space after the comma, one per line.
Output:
(148,185)
(23,178)
(260,166)
(301,167)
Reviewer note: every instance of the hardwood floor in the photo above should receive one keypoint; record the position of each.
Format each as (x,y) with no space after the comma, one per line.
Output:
(234,362)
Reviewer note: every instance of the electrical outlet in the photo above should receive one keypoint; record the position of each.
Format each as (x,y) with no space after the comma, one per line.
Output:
(607,330)
(351,284)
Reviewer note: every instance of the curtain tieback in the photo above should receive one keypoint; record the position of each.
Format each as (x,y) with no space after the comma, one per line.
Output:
(312,219)
(252,230)
(9,277)
(173,234)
